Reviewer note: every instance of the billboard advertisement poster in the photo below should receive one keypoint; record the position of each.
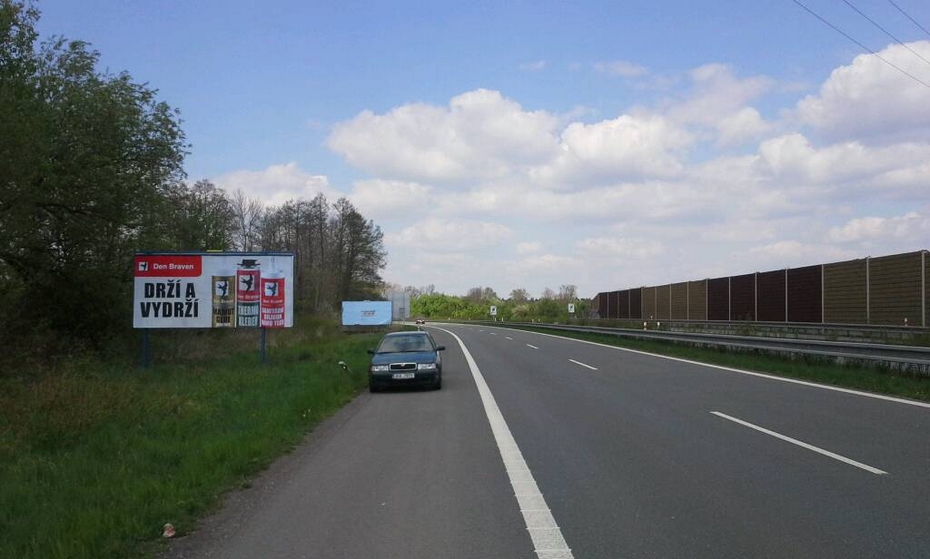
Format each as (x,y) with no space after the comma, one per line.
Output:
(224,300)
(248,289)
(272,304)
(366,313)
(209,290)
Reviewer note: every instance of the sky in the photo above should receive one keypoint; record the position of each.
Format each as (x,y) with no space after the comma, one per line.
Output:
(530,145)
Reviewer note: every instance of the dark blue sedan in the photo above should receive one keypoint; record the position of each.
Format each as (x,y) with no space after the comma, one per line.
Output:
(405,359)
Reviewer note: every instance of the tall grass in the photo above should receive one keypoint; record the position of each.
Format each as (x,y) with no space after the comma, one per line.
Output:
(95,458)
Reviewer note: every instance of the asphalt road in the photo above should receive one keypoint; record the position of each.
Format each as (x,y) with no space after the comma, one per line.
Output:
(632,456)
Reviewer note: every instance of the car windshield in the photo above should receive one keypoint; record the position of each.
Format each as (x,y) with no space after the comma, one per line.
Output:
(400,344)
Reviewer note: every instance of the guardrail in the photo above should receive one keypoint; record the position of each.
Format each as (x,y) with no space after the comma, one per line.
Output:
(910,359)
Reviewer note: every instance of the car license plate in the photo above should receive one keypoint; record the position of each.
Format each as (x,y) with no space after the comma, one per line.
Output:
(403,375)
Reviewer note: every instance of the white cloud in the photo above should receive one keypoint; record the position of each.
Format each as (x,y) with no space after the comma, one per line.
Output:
(870,99)
(437,235)
(390,200)
(276,184)
(620,68)
(910,177)
(625,147)
(481,135)
(633,200)
(535,66)
(697,184)
(529,247)
(909,226)
(716,94)
(616,247)
(745,124)
(543,263)
(793,156)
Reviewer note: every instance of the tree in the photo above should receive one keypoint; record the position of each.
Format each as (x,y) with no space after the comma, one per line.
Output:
(422,290)
(549,310)
(359,250)
(205,217)
(247,216)
(481,295)
(338,254)
(88,164)
(519,295)
(568,292)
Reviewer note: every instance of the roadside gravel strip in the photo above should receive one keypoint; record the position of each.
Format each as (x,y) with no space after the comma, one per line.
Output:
(545,533)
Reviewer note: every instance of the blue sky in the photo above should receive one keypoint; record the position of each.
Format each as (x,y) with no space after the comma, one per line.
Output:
(535,144)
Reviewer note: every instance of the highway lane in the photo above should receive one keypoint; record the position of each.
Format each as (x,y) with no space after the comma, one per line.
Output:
(634,464)
(624,448)
(398,474)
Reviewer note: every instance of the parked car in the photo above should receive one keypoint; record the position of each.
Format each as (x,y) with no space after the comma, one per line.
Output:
(405,359)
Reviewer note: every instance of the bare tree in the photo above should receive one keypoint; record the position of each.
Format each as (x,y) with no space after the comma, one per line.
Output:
(247,214)
(568,292)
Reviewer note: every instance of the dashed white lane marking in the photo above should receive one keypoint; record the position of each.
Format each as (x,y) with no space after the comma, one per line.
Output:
(583,364)
(750,373)
(531,346)
(508,337)
(835,456)
(548,541)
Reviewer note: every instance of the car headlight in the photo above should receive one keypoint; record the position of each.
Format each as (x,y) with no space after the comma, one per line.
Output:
(426,366)
(380,368)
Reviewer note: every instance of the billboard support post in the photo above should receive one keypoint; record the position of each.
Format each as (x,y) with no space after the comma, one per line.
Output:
(146,350)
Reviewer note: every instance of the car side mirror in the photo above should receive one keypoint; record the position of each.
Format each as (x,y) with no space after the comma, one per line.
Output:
(371,351)
(440,348)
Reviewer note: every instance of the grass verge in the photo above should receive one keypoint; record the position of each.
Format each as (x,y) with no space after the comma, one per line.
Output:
(95,459)
(869,379)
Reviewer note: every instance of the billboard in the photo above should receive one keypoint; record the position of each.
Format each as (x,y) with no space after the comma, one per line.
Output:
(366,313)
(213,290)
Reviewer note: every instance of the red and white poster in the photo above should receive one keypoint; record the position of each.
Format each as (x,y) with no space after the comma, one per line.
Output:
(212,290)
(273,307)
(248,293)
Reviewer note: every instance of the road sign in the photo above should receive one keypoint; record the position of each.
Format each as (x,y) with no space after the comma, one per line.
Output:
(493,310)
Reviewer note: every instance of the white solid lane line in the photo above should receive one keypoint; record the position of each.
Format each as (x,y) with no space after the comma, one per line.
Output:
(849,461)
(531,346)
(583,364)
(548,541)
